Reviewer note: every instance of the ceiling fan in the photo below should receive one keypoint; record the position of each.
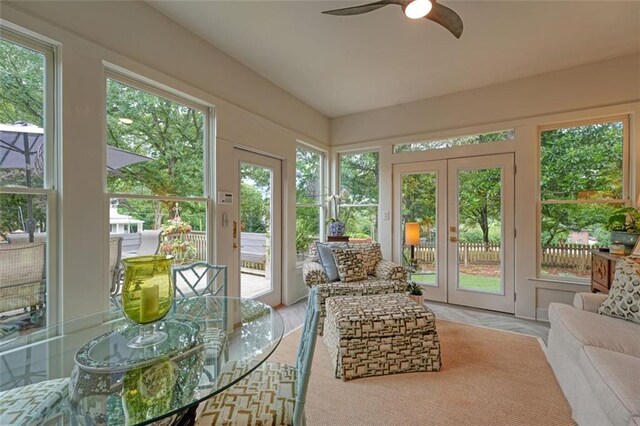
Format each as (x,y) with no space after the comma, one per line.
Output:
(414,9)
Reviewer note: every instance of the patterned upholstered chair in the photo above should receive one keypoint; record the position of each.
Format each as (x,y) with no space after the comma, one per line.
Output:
(32,404)
(382,276)
(274,394)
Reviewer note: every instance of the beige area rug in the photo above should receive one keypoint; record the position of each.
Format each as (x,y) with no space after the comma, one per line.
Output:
(488,377)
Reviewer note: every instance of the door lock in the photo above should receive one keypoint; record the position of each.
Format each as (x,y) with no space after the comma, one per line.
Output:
(452,229)
(453,239)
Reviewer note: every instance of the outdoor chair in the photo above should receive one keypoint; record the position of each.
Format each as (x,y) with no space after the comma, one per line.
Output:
(274,393)
(22,277)
(203,279)
(23,237)
(149,242)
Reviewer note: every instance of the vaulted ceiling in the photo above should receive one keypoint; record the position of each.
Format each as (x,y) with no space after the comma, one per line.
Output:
(343,65)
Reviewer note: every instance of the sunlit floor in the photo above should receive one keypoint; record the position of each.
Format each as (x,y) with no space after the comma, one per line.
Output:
(253,285)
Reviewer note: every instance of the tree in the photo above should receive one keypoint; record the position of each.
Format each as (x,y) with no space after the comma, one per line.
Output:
(359,177)
(168,132)
(479,200)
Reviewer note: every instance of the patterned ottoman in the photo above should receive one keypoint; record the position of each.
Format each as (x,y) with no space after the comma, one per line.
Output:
(380,334)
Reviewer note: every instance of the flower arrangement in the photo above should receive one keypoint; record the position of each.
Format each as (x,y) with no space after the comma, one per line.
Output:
(333,203)
(176,242)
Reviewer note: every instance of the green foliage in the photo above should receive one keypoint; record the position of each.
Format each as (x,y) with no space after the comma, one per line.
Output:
(168,132)
(626,219)
(414,288)
(457,141)
(175,241)
(255,199)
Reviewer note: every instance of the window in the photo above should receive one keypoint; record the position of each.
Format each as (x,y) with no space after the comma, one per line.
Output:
(309,199)
(582,182)
(156,163)
(458,141)
(27,190)
(359,174)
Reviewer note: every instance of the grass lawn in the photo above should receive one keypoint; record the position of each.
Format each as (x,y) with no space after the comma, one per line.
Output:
(467,281)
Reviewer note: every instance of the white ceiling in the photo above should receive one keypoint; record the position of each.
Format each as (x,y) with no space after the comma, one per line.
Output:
(343,65)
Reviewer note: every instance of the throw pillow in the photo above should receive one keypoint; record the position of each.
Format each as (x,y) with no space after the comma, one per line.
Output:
(624,296)
(371,255)
(350,265)
(327,261)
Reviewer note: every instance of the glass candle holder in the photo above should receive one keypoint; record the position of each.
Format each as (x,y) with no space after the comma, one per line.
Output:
(147,295)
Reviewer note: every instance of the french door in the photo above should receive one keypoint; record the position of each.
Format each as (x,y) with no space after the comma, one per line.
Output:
(464,208)
(258,231)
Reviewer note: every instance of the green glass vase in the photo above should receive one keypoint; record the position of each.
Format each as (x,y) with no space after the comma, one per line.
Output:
(147,295)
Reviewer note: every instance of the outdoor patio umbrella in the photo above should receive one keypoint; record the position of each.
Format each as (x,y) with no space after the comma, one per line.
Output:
(21,144)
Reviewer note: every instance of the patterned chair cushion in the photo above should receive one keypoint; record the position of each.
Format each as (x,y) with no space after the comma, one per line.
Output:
(371,255)
(380,315)
(350,265)
(266,397)
(624,296)
(357,288)
(387,270)
(32,404)
(313,274)
(215,341)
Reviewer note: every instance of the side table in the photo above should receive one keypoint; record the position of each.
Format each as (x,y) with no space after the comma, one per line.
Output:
(338,239)
(603,266)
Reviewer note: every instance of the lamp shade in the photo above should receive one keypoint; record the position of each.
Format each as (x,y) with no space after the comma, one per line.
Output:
(412,233)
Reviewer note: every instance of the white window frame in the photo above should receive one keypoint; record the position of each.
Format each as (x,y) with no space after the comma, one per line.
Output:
(143,84)
(338,187)
(626,179)
(51,169)
(320,204)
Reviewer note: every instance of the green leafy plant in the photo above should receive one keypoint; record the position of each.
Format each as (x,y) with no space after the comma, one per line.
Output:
(414,289)
(625,220)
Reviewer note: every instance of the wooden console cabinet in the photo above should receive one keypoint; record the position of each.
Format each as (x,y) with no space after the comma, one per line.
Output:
(603,266)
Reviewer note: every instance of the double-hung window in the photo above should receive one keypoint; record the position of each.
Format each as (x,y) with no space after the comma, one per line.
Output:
(359,183)
(310,166)
(28,294)
(583,181)
(158,173)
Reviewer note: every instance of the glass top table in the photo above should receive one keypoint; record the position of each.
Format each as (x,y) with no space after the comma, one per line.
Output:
(102,380)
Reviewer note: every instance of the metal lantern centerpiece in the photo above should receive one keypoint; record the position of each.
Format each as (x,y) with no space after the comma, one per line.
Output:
(147,296)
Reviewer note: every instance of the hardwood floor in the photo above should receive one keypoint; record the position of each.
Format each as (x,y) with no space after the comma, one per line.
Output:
(293,317)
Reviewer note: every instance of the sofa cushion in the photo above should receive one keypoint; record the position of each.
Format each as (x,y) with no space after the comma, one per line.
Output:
(371,255)
(579,328)
(350,265)
(328,261)
(614,379)
(624,295)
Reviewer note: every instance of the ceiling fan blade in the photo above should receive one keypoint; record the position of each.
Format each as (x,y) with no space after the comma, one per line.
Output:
(447,18)
(357,10)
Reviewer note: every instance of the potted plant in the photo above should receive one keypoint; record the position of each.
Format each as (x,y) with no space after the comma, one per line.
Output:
(415,292)
(624,225)
(336,226)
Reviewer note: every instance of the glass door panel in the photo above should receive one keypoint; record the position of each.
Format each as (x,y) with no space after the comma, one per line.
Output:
(419,206)
(259,239)
(481,237)
(420,194)
(480,230)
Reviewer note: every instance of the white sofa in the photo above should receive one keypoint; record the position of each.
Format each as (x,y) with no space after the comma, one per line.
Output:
(596,360)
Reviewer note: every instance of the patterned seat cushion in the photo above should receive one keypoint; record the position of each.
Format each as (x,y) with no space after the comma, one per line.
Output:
(32,404)
(624,296)
(215,341)
(378,316)
(266,397)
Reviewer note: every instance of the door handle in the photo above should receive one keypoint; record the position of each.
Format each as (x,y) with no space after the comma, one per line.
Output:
(453,239)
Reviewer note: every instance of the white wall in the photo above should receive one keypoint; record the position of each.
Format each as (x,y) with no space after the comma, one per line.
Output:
(604,89)
(250,112)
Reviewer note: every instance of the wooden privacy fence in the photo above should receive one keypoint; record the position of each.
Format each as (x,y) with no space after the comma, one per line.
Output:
(574,256)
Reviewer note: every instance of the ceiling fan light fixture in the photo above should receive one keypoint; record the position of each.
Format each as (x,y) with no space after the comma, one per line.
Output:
(418,9)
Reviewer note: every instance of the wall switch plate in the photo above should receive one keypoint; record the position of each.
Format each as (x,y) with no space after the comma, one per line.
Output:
(386,215)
